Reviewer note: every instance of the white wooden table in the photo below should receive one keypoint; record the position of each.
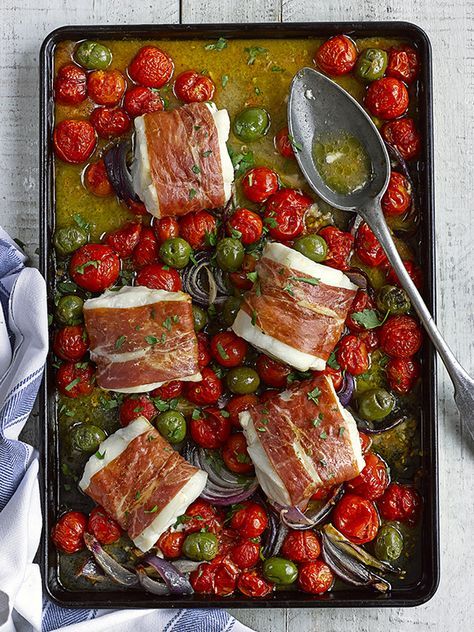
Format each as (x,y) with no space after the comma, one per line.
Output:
(450,25)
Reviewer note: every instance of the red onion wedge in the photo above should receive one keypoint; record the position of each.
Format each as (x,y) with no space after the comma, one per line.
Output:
(205,284)
(174,581)
(107,563)
(345,392)
(294,518)
(274,536)
(115,160)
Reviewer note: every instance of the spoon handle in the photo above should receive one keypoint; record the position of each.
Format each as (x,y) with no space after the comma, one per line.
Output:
(463,383)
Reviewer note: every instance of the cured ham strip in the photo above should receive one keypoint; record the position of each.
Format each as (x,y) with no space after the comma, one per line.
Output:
(300,440)
(181,162)
(141,481)
(296,310)
(141,338)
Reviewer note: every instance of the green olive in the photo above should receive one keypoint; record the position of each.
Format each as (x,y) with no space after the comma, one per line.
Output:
(172,426)
(371,64)
(393,299)
(87,437)
(229,254)
(175,252)
(201,546)
(251,124)
(200,318)
(230,309)
(67,240)
(93,56)
(69,310)
(242,380)
(312,246)
(280,571)
(389,543)
(375,404)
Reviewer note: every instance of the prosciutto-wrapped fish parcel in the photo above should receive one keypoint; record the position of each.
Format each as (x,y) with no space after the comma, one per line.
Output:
(141,481)
(141,338)
(181,163)
(301,440)
(296,309)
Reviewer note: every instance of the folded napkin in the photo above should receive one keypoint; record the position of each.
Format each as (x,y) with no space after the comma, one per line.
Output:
(23,349)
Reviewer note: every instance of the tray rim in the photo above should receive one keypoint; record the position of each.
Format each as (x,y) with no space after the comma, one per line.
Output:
(398,597)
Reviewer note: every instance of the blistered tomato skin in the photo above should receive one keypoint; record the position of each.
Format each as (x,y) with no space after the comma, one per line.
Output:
(197,228)
(192,87)
(168,391)
(250,520)
(171,544)
(337,56)
(247,225)
(404,136)
(400,337)
(166,228)
(210,429)
(202,579)
(272,372)
(301,546)
(71,343)
(75,380)
(94,267)
(283,144)
(110,121)
(400,502)
(397,198)
(67,534)
(403,63)
(387,98)
(284,212)
(351,355)
(204,351)
(141,100)
(259,183)
(361,302)
(235,455)
(372,482)
(228,349)
(356,518)
(70,87)
(146,250)
(368,248)
(97,180)
(413,270)
(124,240)
(339,245)
(103,527)
(253,584)
(315,577)
(151,67)
(134,406)
(106,87)
(201,515)
(74,140)
(207,391)
(238,404)
(402,374)
(245,554)
(159,277)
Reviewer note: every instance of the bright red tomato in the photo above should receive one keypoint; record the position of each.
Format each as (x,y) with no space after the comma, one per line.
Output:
(284,212)
(301,546)
(247,223)
(403,63)
(402,374)
(168,391)
(146,250)
(71,343)
(96,179)
(322,493)
(196,228)
(356,518)
(397,198)
(204,351)
(238,404)
(124,240)
(74,140)
(337,56)
(135,406)
(166,228)
(400,336)
(372,482)
(201,515)
(240,278)
(207,391)
(253,584)
(67,534)
(315,578)
(283,144)
(106,87)
(387,98)
(211,429)
(365,442)
(245,554)
(202,579)
(414,271)
(105,529)
(235,455)
(140,100)
(159,277)
(70,87)
(339,247)
(94,267)
(272,372)
(192,87)
(361,301)
(259,183)
(335,375)
(368,248)
(151,67)
(404,136)
(110,121)
(371,339)
(351,355)
(250,519)
(400,502)
(225,577)
(171,544)
(228,349)
(75,380)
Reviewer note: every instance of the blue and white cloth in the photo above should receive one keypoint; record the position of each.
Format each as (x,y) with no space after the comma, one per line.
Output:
(23,350)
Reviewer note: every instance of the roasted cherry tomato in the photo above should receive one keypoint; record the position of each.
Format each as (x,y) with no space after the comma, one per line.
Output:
(159,277)
(192,87)
(397,198)
(337,56)
(400,336)
(272,372)
(151,67)
(240,279)
(339,245)
(283,144)
(135,406)
(146,250)
(168,391)
(361,301)
(404,136)
(140,100)
(197,229)
(368,248)
(166,228)
(245,554)
(201,515)
(70,87)
(402,374)
(210,429)
(238,404)
(171,544)
(204,351)
(202,579)
(245,225)
(228,349)
(67,534)
(106,87)
(225,577)
(259,183)
(124,240)
(250,519)
(96,179)
(371,339)
(301,546)
(74,140)
(365,442)
(71,343)
(335,375)
(253,584)
(284,212)
(403,63)
(75,380)
(103,527)
(387,98)
(94,267)
(400,502)
(413,270)
(207,391)
(372,482)
(356,518)
(315,578)
(235,454)
(351,355)
(321,493)
(109,121)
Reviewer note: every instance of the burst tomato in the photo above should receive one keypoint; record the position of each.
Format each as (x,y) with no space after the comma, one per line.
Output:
(110,121)
(253,584)
(71,343)
(361,301)
(387,98)
(228,349)
(171,544)
(166,228)
(204,352)
(372,482)
(402,374)
(271,372)
(140,100)
(159,277)
(96,179)
(368,248)
(106,87)
(94,267)
(151,67)
(339,247)
(168,391)
(210,429)
(135,406)
(245,554)
(337,56)
(67,534)
(322,493)
(259,183)
(192,87)
(202,579)
(371,339)
(365,442)
(400,336)
(124,240)
(238,404)
(400,502)
(247,223)
(351,355)
(284,212)
(397,198)
(105,529)
(335,375)
(235,455)
(240,279)
(75,380)
(201,515)
(207,391)
(404,136)
(225,577)
(70,87)
(301,546)
(74,140)
(315,578)
(356,518)
(403,63)
(197,228)
(250,519)
(146,250)
(283,144)
(413,270)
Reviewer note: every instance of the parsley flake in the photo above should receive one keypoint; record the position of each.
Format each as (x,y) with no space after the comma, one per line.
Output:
(368,318)
(314,395)
(119,342)
(252,52)
(222,352)
(309,280)
(217,46)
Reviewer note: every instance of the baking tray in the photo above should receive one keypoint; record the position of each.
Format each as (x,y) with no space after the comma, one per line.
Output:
(410,595)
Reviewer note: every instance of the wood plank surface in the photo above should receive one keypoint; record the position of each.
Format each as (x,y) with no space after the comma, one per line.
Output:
(450,25)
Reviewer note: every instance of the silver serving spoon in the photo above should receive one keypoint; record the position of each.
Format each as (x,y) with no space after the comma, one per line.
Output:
(317,105)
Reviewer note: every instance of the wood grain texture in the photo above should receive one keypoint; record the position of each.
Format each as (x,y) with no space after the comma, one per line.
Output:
(450,25)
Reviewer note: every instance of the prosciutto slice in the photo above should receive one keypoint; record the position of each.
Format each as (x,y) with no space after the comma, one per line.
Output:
(296,309)
(141,481)
(301,440)
(141,338)
(181,163)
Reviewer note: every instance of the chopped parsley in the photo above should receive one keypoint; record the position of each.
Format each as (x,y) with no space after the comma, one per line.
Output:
(254,317)
(324,435)
(224,80)
(222,352)
(152,510)
(309,280)
(318,420)
(271,222)
(119,342)
(323,462)
(277,69)
(257,91)
(242,161)
(289,288)
(72,384)
(151,340)
(192,193)
(80,221)
(252,53)
(314,395)
(332,362)
(137,495)
(196,413)
(368,318)
(261,429)
(341,431)
(206,153)
(295,144)
(218,46)
(252,276)
(100,455)
(92,263)
(195,169)
(167,323)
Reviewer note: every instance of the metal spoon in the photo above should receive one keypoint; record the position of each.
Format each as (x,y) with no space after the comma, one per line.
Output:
(317,105)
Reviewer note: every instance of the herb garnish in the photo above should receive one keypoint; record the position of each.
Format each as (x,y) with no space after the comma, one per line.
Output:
(309,280)
(100,455)
(252,52)
(119,342)
(314,395)
(224,80)
(72,384)
(368,318)
(218,46)
(222,352)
